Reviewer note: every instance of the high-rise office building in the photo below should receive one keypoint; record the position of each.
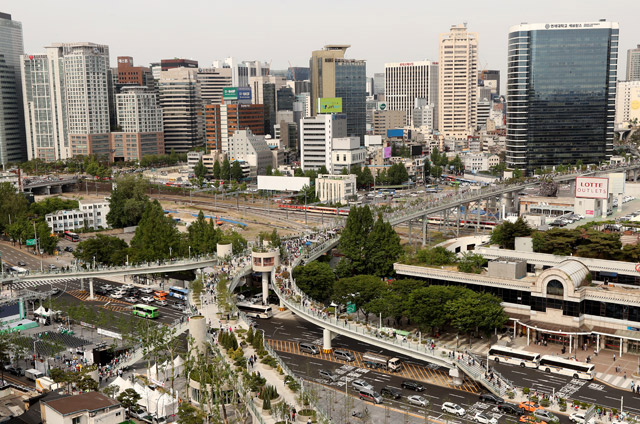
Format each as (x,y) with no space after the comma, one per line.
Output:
(561,83)
(384,120)
(407,81)
(133,75)
(223,120)
(166,64)
(285,98)
(181,104)
(212,82)
(490,79)
(12,134)
(633,64)
(334,76)
(458,79)
(241,72)
(627,103)
(316,139)
(379,83)
(66,100)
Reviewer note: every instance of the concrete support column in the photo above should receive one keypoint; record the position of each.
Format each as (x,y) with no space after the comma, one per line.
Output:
(265,287)
(410,235)
(282,308)
(598,342)
(621,340)
(528,336)
(91,289)
(570,344)
(326,339)
(425,228)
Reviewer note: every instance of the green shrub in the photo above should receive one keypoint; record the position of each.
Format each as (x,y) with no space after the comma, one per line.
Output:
(525,390)
(544,403)
(266,404)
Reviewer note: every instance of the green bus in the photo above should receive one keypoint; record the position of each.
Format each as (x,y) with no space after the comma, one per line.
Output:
(145,311)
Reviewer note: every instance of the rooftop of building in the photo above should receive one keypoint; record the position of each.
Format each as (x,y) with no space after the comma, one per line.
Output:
(91,401)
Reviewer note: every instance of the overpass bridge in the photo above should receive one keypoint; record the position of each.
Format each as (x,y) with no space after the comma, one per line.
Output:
(48,186)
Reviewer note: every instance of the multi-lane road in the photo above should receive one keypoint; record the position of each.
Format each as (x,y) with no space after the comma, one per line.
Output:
(284,331)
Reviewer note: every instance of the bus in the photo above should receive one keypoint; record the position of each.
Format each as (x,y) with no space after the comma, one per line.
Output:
(514,356)
(71,236)
(559,365)
(179,293)
(145,311)
(256,311)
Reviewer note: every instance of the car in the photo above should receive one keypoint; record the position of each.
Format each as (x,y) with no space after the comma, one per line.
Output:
(417,400)
(511,409)
(391,392)
(146,299)
(490,397)
(17,371)
(360,384)
(116,295)
(100,291)
(131,299)
(161,302)
(52,266)
(412,385)
(545,415)
(107,287)
(482,418)
(146,290)
(530,419)
(55,290)
(453,408)
(20,263)
(177,306)
(328,375)
(127,286)
(529,406)
(137,413)
(68,249)
(577,417)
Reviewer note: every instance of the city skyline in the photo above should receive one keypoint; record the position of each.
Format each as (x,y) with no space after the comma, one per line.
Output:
(150,34)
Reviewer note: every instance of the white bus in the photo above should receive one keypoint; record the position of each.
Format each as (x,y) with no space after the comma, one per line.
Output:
(256,311)
(514,356)
(558,365)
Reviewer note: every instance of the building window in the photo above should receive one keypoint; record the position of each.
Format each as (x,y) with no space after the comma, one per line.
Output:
(75,420)
(555,288)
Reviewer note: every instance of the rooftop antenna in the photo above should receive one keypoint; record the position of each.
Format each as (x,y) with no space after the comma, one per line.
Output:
(465,24)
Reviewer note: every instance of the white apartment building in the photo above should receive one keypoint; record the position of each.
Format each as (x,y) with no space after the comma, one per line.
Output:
(193,158)
(182,114)
(137,110)
(405,82)
(316,139)
(335,188)
(85,408)
(627,102)
(66,101)
(242,71)
(252,149)
(483,110)
(346,152)
(474,162)
(424,115)
(212,81)
(257,86)
(95,213)
(458,79)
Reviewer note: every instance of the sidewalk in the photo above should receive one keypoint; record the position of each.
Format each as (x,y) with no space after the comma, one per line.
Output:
(209,309)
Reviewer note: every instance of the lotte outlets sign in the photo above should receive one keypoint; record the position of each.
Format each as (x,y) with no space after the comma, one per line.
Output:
(592,187)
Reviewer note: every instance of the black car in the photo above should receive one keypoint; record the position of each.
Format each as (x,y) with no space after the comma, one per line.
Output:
(490,397)
(390,392)
(511,409)
(100,291)
(20,263)
(17,371)
(412,385)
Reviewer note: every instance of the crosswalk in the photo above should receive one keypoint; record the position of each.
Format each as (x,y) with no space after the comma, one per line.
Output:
(409,370)
(83,295)
(37,283)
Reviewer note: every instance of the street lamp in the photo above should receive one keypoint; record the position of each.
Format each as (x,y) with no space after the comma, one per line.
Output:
(94,262)
(169,252)
(189,252)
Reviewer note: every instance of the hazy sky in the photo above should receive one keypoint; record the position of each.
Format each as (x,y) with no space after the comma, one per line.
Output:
(284,31)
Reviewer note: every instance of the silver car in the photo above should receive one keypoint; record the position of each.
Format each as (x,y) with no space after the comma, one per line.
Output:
(417,400)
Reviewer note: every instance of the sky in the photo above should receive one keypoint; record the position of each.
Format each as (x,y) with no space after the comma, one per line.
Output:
(286,31)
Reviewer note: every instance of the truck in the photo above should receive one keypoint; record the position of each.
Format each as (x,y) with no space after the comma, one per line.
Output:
(45,384)
(376,360)
(33,374)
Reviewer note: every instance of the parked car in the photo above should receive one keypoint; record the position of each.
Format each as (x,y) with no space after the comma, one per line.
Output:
(545,415)
(391,392)
(17,371)
(107,287)
(483,418)
(52,266)
(490,397)
(328,375)
(146,290)
(453,408)
(511,409)
(530,419)
(412,385)
(131,299)
(361,384)
(577,417)
(418,401)
(116,295)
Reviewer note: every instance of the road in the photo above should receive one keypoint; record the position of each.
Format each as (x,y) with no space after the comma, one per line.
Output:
(12,255)
(284,331)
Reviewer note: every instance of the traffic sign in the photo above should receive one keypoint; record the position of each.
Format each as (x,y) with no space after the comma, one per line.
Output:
(351,307)
(31,242)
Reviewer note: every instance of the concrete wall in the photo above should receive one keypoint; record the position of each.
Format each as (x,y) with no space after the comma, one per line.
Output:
(224,250)
(508,269)
(464,244)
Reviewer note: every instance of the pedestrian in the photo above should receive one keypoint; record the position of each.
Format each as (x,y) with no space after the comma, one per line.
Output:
(614,357)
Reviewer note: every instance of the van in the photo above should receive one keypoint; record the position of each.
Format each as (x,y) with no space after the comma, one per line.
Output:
(344,355)
(309,348)
(370,395)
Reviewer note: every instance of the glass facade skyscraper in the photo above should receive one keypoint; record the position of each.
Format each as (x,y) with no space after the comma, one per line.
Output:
(351,75)
(561,87)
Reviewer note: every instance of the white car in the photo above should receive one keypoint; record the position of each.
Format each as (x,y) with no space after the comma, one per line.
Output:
(147,299)
(131,299)
(127,286)
(453,408)
(417,400)
(577,417)
(361,384)
(147,290)
(484,418)
(107,287)
(116,295)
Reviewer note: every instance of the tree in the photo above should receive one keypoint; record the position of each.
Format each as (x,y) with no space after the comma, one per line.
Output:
(225,173)
(345,171)
(128,201)
(506,233)
(200,170)
(361,290)
(202,235)
(427,168)
(366,179)
(436,256)
(111,390)
(108,250)
(323,170)
(236,171)
(316,279)
(238,243)
(383,248)
(217,172)
(472,263)
(12,204)
(52,204)
(156,236)
(457,164)
(307,195)
(353,239)
(128,399)
(189,414)
(427,305)
(298,172)
(436,171)
(269,170)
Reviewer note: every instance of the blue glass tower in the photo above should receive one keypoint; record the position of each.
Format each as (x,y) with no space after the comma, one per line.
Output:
(561,88)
